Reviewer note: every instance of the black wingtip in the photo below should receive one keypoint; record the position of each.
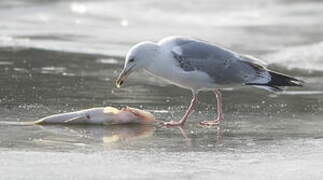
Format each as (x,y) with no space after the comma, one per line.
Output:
(279,79)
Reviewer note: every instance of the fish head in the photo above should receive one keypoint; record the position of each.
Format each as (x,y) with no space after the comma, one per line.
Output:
(146,116)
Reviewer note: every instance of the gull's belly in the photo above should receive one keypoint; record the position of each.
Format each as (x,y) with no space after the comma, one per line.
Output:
(195,80)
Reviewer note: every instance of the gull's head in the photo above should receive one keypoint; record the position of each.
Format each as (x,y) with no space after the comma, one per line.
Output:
(138,57)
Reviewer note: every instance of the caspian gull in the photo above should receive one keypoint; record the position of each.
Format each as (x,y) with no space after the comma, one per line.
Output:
(199,65)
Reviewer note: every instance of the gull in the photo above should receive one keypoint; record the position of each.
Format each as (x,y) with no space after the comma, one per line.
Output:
(201,66)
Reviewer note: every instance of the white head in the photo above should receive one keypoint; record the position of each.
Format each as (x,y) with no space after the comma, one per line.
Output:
(138,57)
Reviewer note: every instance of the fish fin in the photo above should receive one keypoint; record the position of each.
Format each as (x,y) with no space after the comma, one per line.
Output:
(79,118)
(110,110)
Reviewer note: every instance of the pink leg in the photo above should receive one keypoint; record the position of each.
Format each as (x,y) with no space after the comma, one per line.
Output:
(186,115)
(220,116)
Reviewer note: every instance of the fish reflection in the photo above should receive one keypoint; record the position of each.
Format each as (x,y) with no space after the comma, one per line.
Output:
(97,134)
(129,132)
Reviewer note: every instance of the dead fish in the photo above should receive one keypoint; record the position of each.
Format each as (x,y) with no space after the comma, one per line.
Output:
(101,116)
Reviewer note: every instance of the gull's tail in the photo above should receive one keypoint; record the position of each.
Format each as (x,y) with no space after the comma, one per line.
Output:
(277,80)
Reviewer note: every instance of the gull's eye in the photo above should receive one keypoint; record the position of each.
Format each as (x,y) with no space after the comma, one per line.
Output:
(131,60)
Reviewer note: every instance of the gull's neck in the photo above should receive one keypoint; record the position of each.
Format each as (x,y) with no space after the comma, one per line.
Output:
(162,64)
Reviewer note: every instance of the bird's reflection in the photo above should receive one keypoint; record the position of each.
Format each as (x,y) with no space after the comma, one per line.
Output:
(185,132)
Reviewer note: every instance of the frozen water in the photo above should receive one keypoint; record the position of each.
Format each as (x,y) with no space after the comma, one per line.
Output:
(59,56)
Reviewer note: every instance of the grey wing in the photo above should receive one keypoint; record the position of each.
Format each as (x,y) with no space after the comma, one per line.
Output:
(222,65)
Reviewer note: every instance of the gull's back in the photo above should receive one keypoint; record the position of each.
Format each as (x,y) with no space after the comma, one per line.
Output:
(221,65)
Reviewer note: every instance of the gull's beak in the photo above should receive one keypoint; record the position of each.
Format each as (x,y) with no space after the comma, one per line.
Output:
(124,75)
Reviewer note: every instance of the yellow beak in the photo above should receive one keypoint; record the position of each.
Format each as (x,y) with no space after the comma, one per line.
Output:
(123,76)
